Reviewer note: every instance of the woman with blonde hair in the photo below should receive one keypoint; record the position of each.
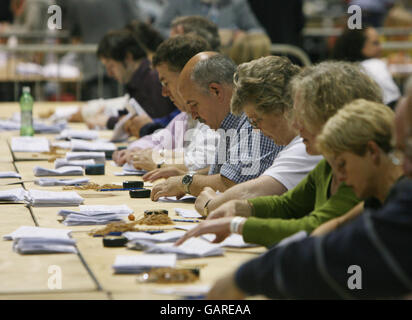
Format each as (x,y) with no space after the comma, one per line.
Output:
(376,245)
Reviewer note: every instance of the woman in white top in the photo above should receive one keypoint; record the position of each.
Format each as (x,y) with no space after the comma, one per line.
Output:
(363,46)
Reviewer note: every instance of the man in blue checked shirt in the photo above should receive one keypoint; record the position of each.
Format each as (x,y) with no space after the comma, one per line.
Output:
(206,85)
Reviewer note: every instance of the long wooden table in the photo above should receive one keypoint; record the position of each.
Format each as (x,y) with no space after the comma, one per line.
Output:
(88,275)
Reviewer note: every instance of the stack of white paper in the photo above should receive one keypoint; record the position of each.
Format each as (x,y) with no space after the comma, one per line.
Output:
(77,163)
(41,127)
(64,113)
(8,125)
(186,213)
(78,134)
(233,241)
(14,195)
(9,174)
(50,182)
(129,170)
(98,157)
(63,171)
(185,199)
(171,236)
(143,262)
(94,215)
(41,240)
(191,248)
(80,145)
(53,199)
(29,144)
(62,144)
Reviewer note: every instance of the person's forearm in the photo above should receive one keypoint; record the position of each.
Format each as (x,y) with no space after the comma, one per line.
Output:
(262,186)
(216,182)
(203,171)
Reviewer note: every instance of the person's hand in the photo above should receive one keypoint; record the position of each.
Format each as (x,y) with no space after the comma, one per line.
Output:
(171,187)
(143,160)
(76,117)
(206,195)
(120,156)
(219,227)
(132,126)
(225,289)
(98,121)
(231,209)
(163,173)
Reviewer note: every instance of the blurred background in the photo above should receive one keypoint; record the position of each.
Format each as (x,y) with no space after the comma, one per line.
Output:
(61,65)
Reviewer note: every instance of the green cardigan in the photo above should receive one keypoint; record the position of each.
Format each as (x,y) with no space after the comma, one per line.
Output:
(305,207)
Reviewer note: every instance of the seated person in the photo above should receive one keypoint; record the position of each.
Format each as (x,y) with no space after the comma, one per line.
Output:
(377,242)
(261,91)
(363,46)
(206,85)
(233,17)
(126,60)
(182,152)
(198,25)
(318,93)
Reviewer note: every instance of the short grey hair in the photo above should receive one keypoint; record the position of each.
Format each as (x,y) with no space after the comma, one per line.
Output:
(216,69)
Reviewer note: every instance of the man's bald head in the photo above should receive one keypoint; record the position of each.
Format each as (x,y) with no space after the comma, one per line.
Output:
(185,75)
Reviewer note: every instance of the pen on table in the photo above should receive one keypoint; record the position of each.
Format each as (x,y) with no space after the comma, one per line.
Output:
(121,189)
(184,220)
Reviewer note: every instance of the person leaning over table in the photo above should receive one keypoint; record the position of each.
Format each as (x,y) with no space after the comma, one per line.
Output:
(169,60)
(206,85)
(319,92)
(262,92)
(377,242)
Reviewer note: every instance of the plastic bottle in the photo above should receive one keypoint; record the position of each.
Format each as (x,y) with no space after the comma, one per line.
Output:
(26,109)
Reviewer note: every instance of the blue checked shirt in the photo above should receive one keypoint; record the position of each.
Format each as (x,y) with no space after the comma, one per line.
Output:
(243,152)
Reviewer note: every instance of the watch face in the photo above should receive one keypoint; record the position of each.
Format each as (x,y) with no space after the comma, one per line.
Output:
(186,179)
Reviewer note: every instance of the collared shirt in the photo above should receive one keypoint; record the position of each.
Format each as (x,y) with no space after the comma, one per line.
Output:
(243,152)
(146,89)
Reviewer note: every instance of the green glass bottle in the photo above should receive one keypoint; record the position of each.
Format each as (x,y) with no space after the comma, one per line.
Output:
(26,109)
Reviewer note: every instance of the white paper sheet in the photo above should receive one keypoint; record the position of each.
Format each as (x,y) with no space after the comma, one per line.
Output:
(187,213)
(62,171)
(29,144)
(80,145)
(142,262)
(9,174)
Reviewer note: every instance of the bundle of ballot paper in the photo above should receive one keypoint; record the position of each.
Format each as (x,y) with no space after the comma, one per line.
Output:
(98,157)
(62,171)
(143,262)
(129,170)
(29,144)
(52,182)
(38,126)
(135,237)
(81,145)
(9,174)
(76,163)
(187,213)
(13,195)
(30,240)
(38,198)
(94,215)
(78,134)
(191,248)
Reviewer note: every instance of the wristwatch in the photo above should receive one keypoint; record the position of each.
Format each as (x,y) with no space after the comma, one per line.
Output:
(187,181)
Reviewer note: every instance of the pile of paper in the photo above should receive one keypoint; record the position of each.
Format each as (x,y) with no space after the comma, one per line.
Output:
(191,248)
(186,213)
(143,262)
(78,134)
(77,163)
(129,170)
(185,199)
(94,215)
(98,157)
(51,182)
(64,113)
(38,198)
(80,145)
(172,236)
(29,144)
(38,126)
(13,195)
(63,171)
(28,240)
(233,241)
(9,174)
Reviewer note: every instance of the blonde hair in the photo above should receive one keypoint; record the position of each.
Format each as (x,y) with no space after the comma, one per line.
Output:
(325,88)
(357,123)
(264,83)
(250,47)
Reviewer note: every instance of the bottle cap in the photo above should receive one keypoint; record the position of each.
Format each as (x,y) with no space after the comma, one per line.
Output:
(114,241)
(95,169)
(26,89)
(144,193)
(133,184)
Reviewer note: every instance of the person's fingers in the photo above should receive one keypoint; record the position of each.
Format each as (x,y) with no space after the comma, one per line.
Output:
(189,234)
(219,238)
(148,175)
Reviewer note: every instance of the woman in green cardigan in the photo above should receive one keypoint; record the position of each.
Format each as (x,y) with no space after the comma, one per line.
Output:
(319,92)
